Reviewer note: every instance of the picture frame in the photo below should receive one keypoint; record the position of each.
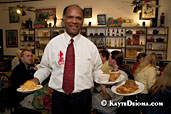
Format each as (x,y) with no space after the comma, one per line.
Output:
(149,46)
(12,38)
(101,19)
(87,12)
(47,14)
(131,53)
(13,16)
(136,39)
(160,56)
(149,11)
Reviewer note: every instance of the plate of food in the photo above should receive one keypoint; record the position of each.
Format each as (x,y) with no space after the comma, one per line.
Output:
(29,87)
(127,88)
(109,79)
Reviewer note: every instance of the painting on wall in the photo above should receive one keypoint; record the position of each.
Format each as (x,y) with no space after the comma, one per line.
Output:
(11,38)
(45,14)
(131,53)
(101,19)
(13,16)
(87,12)
(149,11)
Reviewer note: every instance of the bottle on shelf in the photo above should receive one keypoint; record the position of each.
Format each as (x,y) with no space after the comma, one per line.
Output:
(108,32)
(119,43)
(117,32)
(110,43)
(96,33)
(102,42)
(129,41)
(122,43)
(107,43)
(122,33)
(113,32)
(141,43)
(115,43)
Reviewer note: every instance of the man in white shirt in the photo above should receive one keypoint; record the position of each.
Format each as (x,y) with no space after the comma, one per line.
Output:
(87,66)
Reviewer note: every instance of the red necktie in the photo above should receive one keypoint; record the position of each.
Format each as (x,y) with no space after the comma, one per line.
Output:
(69,69)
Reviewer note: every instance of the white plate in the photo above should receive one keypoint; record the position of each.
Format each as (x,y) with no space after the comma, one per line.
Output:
(119,79)
(29,91)
(140,89)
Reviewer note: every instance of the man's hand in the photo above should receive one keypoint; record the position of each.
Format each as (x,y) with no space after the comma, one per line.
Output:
(105,95)
(35,80)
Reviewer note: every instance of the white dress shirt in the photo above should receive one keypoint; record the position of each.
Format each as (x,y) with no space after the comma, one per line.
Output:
(87,62)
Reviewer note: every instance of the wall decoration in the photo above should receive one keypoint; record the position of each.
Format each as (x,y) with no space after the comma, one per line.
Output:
(149,46)
(87,12)
(45,14)
(11,38)
(136,39)
(114,22)
(13,16)
(149,10)
(131,53)
(101,19)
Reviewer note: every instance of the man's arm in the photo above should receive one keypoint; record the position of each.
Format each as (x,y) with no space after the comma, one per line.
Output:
(97,63)
(105,95)
(44,68)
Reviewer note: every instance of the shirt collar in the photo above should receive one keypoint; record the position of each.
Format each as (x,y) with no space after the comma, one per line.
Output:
(68,38)
(26,66)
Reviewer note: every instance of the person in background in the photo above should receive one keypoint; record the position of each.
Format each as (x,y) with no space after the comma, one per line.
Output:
(161,92)
(73,62)
(104,54)
(16,60)
(115,59)
(140,58)
(21,73)
(146,74)
(36,59)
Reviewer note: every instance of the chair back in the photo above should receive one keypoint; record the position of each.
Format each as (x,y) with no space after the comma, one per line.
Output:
(4,81)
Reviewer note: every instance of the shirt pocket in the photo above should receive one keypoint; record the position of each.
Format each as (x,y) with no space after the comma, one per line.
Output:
(84,66)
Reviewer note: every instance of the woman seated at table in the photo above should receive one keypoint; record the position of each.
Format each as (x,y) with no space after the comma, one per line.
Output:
(140,58)
(146,74)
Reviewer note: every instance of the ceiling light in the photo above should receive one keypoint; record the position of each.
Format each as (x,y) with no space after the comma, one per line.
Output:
(18,11)
(21,12)
(139,11)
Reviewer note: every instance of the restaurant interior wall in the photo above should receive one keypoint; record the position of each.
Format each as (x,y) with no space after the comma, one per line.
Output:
(112,8)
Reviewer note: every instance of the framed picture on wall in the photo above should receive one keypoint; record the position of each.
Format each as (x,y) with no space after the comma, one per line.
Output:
(45,14)
(149,46)
(11,38)
(131,53)
(149,11)
(13,16)
(101,19)
(87,12)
